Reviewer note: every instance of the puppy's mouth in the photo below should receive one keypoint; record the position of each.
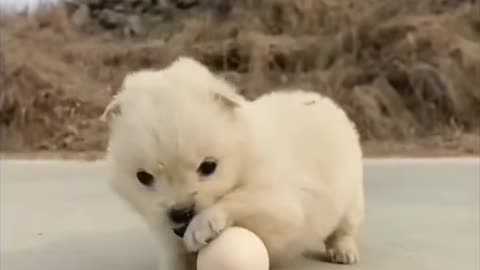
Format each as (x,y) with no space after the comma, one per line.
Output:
(181,218)
(180,229)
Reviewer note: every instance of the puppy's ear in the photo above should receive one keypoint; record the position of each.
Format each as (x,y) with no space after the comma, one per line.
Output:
(225,101)
(111,110)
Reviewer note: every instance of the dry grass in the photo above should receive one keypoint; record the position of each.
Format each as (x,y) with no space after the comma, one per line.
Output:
(406,73)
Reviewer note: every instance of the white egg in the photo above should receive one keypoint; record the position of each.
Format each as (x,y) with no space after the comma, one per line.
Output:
(235,249)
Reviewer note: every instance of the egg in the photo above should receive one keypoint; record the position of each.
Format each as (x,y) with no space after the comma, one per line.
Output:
(234,249)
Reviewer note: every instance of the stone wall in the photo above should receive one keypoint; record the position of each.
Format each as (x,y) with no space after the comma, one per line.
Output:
(139,18)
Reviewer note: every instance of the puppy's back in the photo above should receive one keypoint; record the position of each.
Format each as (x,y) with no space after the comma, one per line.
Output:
(309,132)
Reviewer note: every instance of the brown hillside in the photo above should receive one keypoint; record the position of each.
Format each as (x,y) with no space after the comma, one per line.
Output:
(407,73)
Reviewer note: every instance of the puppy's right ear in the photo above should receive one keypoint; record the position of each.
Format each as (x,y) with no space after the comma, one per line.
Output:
(111,110)
(227,102)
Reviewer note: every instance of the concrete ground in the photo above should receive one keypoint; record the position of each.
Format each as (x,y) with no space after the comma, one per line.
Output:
(61,215)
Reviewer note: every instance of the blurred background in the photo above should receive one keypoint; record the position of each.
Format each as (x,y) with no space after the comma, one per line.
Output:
(407,72)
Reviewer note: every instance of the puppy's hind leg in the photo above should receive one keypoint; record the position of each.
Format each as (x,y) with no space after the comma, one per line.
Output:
(342,244)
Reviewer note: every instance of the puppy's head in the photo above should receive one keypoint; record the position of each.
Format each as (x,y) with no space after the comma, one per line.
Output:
(177,140)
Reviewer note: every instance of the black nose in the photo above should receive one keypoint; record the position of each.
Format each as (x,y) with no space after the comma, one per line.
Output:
(181,215)
(180,231)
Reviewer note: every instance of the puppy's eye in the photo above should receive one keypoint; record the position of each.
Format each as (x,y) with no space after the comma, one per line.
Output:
(207,167)
(145,178)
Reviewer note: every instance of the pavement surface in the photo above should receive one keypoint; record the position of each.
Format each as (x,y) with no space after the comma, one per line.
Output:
(422,214)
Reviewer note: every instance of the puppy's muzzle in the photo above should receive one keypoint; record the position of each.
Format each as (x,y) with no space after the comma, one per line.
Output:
(181,217)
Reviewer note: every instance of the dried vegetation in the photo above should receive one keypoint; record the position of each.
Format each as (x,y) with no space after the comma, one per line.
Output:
(407,72)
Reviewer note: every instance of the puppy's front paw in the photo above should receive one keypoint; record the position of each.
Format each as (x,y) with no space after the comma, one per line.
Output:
(343,251)
(205,227)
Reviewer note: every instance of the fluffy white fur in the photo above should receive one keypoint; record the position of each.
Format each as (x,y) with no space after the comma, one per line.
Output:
(289,163)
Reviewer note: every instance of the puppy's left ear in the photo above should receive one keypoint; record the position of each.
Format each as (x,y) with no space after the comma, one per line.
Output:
(111,110)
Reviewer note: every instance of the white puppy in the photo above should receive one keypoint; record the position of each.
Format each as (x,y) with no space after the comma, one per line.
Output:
(193,158)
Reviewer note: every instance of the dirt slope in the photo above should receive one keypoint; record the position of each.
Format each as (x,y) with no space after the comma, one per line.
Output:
(407,73)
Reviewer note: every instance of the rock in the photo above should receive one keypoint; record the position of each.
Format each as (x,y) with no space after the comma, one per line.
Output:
(186,4)
(81,16)
(94,3)
(119,8)
(111,19)
(163,4)
(148,3)
(223,7)
(135,26)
